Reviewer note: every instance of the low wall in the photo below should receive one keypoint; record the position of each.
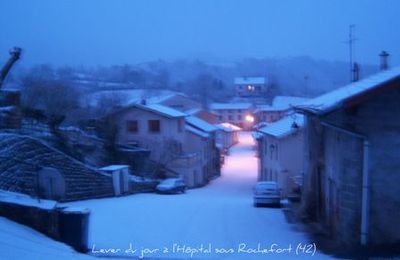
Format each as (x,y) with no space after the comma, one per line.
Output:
(62,224)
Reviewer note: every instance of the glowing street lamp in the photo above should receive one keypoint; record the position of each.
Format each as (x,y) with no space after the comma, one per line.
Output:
(249,119)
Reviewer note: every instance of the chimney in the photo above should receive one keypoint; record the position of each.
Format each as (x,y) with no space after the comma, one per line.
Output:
(143,101)
(384,60)
(356,72)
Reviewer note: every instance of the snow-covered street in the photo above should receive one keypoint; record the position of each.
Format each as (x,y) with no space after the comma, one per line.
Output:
(220,217)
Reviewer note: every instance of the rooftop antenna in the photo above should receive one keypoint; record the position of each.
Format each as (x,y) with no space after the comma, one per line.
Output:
(351,43)
(384,60)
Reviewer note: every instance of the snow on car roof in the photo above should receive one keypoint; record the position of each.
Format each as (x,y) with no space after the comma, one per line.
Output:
(336,98)
(284,127)
(266,183)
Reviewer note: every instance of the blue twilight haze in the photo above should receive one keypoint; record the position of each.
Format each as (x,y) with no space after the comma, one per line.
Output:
(129,31)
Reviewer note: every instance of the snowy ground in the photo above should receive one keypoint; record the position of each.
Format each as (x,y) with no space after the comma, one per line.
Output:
(219,217)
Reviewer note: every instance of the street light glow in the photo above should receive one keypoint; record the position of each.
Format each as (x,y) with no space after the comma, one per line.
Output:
(249,118)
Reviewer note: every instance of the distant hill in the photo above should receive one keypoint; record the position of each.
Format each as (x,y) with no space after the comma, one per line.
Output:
(302,76)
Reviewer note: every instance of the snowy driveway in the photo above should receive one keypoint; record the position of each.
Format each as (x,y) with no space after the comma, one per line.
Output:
(214,222)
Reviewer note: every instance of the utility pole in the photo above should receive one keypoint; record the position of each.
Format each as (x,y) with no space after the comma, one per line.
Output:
(306,78)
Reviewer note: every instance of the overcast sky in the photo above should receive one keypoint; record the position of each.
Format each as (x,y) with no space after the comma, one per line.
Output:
(107,32)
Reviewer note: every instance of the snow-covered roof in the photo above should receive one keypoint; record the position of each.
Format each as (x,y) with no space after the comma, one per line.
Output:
(193,111)
(161,110)
(249,80)
(281,103)
(114,167)
(200,124)
(196,131)
(337,98)
(285,126)
(287,101)
(219,106)
(228,127)
(127,97)
(268,108)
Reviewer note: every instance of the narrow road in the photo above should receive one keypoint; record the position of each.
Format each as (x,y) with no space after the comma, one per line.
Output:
(219,216)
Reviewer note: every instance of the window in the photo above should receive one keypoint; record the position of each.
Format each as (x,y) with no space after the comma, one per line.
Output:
(239,117)
(221,118)
(230,117)
(132,126)
(154,126)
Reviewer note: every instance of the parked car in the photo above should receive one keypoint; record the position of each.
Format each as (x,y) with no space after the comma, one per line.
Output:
(266,193)
(171,186)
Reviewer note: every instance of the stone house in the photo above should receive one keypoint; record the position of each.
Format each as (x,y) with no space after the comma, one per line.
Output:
(280,149)
(352,161)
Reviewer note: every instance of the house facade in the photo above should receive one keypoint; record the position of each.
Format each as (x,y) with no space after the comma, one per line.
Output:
(201,138)
(280,149)
(239,114)
(154,127)
(280,107)
(227,135)
(352,161)
(250,86)
(182,145)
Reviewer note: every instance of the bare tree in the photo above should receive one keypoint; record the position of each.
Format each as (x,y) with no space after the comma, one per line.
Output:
(42,91)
